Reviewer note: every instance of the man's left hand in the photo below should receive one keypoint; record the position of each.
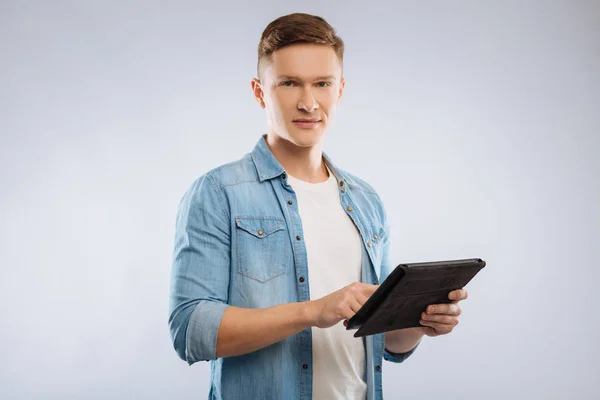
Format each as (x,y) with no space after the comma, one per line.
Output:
(441,319)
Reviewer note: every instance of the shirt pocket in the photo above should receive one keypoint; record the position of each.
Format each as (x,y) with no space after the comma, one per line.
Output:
(260,247)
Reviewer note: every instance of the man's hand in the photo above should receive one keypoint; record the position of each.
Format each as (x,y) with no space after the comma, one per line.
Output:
(441,319)
(340,305)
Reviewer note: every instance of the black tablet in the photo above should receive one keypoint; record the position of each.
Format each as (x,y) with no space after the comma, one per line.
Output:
(399,301)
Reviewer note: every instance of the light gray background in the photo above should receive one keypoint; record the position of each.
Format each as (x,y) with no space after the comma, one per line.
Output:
(478,123)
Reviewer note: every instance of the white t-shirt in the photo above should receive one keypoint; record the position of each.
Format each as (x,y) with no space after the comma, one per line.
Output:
(334,253)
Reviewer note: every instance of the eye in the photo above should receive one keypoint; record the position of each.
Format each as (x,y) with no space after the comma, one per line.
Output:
(288,83)
(323,84)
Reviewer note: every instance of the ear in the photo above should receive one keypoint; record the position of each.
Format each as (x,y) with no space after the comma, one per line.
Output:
(342,85)
(258,92)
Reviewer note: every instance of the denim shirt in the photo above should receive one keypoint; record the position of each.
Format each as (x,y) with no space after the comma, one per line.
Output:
(239,242)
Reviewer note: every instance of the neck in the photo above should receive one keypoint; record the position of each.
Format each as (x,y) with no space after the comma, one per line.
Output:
(304,163)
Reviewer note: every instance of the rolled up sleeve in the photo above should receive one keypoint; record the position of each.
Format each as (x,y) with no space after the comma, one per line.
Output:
(202,329)
(398,357)
(200,271)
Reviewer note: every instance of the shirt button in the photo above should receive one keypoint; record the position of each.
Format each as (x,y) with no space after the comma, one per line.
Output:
(341,183)
(301,279)
(290,202)
(378,367)
(260,232)
(369,244)
(298,238)
(349,208)
(374,236)
(305,366)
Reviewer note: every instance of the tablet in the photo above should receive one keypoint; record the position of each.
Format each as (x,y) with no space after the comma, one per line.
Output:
(399,301)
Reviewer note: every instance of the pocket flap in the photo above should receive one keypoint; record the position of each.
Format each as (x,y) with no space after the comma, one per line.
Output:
(260,227)
(377,233)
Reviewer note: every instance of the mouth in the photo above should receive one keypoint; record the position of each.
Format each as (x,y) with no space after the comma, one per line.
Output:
(305,123)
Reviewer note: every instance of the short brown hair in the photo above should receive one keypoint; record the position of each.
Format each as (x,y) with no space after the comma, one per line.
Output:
(298,28)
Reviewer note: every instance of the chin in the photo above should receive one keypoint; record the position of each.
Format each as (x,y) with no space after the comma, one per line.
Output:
(305,137)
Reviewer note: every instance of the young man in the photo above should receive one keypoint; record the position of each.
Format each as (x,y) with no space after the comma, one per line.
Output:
(275,251)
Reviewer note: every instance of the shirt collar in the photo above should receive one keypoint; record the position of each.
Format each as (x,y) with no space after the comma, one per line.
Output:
(268,167)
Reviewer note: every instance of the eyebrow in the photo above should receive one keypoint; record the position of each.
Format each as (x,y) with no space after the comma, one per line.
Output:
(296,78)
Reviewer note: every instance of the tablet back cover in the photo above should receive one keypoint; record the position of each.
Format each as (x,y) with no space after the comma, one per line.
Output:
(423,284)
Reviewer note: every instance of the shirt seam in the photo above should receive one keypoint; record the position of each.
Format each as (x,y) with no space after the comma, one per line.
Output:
(218,192)
(239,183)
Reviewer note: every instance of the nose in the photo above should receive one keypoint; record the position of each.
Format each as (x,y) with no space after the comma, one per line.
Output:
(307,101)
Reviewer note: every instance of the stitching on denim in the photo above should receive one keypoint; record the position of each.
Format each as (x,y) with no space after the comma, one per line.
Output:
(262,218)
(255,165)
(265,233)
(362,190)
(218,191)
(238,183)
(237,248)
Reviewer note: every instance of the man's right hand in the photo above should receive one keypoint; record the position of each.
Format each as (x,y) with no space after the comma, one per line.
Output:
(341,304)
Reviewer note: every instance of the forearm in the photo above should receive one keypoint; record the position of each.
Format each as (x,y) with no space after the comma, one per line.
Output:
(402,340)
(244,330)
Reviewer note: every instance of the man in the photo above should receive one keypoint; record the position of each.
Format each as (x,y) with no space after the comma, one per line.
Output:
(276,251)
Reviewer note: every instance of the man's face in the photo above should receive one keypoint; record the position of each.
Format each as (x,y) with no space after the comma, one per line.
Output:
(300,89)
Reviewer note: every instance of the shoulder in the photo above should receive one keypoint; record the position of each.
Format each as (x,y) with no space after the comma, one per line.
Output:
(357,183)
(232,173)
(228,174)
(211,183)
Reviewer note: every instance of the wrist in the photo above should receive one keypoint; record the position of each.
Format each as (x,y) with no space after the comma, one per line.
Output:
(309,313)
(403,340)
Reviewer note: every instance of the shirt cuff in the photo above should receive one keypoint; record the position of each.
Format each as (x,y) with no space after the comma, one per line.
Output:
(398,357)
(202,331)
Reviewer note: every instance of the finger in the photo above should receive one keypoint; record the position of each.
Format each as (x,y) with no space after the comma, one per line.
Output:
(447,309)
(368,289)
(346,312)
(354,305)
(440,319)
(361,298)
(458,295)
(429,331)
(440,329)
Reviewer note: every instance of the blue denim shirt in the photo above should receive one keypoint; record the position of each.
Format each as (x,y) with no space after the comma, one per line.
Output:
(221,259)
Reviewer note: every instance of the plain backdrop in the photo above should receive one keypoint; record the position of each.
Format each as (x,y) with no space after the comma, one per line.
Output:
(477,121)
